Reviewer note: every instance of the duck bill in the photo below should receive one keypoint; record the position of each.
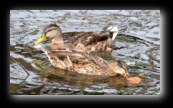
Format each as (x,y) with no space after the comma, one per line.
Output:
(40,40)
(126,75)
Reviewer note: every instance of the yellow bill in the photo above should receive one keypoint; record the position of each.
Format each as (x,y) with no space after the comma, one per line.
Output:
(40,40)
(126,74)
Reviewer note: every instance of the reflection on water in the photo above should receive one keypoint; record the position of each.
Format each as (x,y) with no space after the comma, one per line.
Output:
(138,42)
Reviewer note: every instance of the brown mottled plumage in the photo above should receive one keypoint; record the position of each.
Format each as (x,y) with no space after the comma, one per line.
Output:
(84,63)
(84,42)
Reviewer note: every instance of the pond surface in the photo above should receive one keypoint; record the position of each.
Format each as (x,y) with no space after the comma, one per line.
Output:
(137,43)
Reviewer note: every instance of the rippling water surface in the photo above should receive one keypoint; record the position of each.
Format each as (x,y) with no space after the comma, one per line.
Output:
(138,42)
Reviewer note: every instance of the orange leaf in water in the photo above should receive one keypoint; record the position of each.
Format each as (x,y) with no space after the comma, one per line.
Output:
(133,80)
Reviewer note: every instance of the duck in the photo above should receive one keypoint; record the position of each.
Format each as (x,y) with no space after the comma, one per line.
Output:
(89,64)
(84,63)
(98,41)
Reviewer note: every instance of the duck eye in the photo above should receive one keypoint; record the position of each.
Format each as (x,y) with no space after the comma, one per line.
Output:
(49,30)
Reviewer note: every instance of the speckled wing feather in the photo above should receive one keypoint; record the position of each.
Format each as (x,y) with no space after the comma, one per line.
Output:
(89,38)
(91,42)
(80,57)
(79,62)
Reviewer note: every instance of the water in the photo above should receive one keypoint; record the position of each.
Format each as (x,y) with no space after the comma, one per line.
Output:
(138,42)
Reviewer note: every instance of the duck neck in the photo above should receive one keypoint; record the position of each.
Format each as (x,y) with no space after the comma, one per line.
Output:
(57,43)
(58,40)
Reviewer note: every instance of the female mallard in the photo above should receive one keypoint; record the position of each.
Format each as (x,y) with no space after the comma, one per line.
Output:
(84,63)
(85,42)
(89,64)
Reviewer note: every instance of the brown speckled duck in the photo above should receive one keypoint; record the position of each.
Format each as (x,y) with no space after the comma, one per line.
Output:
(85,42)
(88,64)
(84,63)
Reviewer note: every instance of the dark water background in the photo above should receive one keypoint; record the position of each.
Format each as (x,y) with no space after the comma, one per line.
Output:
(138,43)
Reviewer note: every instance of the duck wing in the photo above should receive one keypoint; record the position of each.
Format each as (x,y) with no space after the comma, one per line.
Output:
(79,62)
(64,53)
(79,57)
(89,38)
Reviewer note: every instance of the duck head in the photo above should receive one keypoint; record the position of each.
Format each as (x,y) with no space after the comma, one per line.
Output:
(120,67)
(112,29)
(52,32)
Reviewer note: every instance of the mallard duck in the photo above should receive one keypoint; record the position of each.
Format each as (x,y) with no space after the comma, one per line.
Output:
(84,63)
(85,42)
(89,64)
